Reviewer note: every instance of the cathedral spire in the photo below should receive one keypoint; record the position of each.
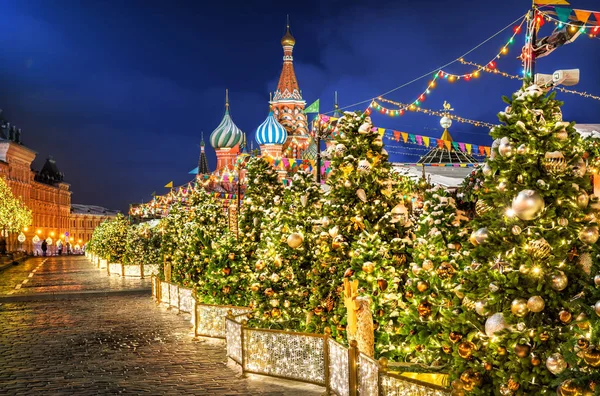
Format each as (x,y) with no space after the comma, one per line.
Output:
(288,88)
(203,161)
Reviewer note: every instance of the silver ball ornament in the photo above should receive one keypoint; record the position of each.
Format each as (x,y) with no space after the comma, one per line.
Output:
(502,186)
(522,149)
(559,281)
(536,304)
(480,308)
(506,149)
(597,280)
(589,234)
(556,363)
(494,324)
(487,170)
(528,205)
(518,307)
(597,308)
(481,235)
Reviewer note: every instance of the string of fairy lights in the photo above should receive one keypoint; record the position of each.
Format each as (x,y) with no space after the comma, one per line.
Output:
(515,77)
(391,112)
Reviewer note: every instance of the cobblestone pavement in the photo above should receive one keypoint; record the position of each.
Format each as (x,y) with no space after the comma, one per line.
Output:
(113,345)
(62,274)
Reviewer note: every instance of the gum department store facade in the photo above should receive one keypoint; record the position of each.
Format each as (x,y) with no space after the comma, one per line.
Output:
(46,194)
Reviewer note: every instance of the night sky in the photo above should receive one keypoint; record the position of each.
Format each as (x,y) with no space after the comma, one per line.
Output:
(118,92)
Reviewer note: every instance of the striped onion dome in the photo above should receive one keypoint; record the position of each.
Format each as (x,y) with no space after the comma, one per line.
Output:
(311,151)
(271,131)
(227,134)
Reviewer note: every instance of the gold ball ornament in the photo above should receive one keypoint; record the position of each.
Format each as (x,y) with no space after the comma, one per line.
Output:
(422,286)
(597,280)
(295,240)
(522,149)
(348,184)
(455,337)
(565,316)
(255,287)
(516,230)
(528,204)
(583,199)
(569,388)
(368,267)
(465,349)
(522,350)
(334,231)
(580,168)
(556,363)
(487,170)
(539,249)
(513,385)
(555,162)
(471,380)
(585,263)
(559,281)
(481,207)
(488,366)
(592,357)
(518,307)
(337,242)
(597,308)
(563,222)
(583,343)
(424,309)
(325,222)
(535,361)
(506,148)
(589,234)
(269,292)
(536,304)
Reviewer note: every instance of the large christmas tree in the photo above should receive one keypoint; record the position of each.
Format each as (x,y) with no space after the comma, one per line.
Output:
(262,191)
(363,232)
(431,289)
(114,237)
(527,323)
(285,254)
(202,222)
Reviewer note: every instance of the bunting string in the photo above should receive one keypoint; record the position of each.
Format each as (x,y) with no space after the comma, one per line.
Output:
(393,112)
(515,77)
(563,15)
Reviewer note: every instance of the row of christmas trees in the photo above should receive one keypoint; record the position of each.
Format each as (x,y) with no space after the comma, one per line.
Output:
(507,303)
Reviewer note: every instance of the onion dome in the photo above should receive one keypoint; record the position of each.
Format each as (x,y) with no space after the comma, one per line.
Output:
(287,38)
(271,131)
(227,134)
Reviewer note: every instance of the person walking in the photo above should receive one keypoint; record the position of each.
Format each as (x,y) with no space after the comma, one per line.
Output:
(59,246)
(44,247)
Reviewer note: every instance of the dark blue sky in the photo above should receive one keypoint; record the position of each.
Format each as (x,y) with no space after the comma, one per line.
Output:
(119,91)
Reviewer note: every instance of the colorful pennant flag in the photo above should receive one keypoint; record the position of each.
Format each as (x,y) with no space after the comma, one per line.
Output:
(582,15)
(563,14)
(313,108)
(555,2)
(169,185)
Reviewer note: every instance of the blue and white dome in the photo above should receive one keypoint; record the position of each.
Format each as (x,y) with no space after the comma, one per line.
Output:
(271,132)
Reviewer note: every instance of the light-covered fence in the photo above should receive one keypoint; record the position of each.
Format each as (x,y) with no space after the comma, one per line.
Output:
(305,357)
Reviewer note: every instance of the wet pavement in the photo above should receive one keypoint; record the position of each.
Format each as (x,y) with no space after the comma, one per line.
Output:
(62,274)
(110,345)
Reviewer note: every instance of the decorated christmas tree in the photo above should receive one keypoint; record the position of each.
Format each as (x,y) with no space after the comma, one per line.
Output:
(169,228)
(529,317)
(114,238)
(363,233)
(285,254)
(202,221)
(262,191)
(143,244)
(225,277)
(432,285)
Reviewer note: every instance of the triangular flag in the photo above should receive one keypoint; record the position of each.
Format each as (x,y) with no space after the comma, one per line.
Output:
(419,140)
(597,15)
(487,151)
(381,131)
(448,144)
(563,14)
(397,136)
(582,15)
(556,2)
(193,171)
(440,143)
(426,141)
(404,136)
(153,193)
(313,108)
(462,147)
(169,185)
